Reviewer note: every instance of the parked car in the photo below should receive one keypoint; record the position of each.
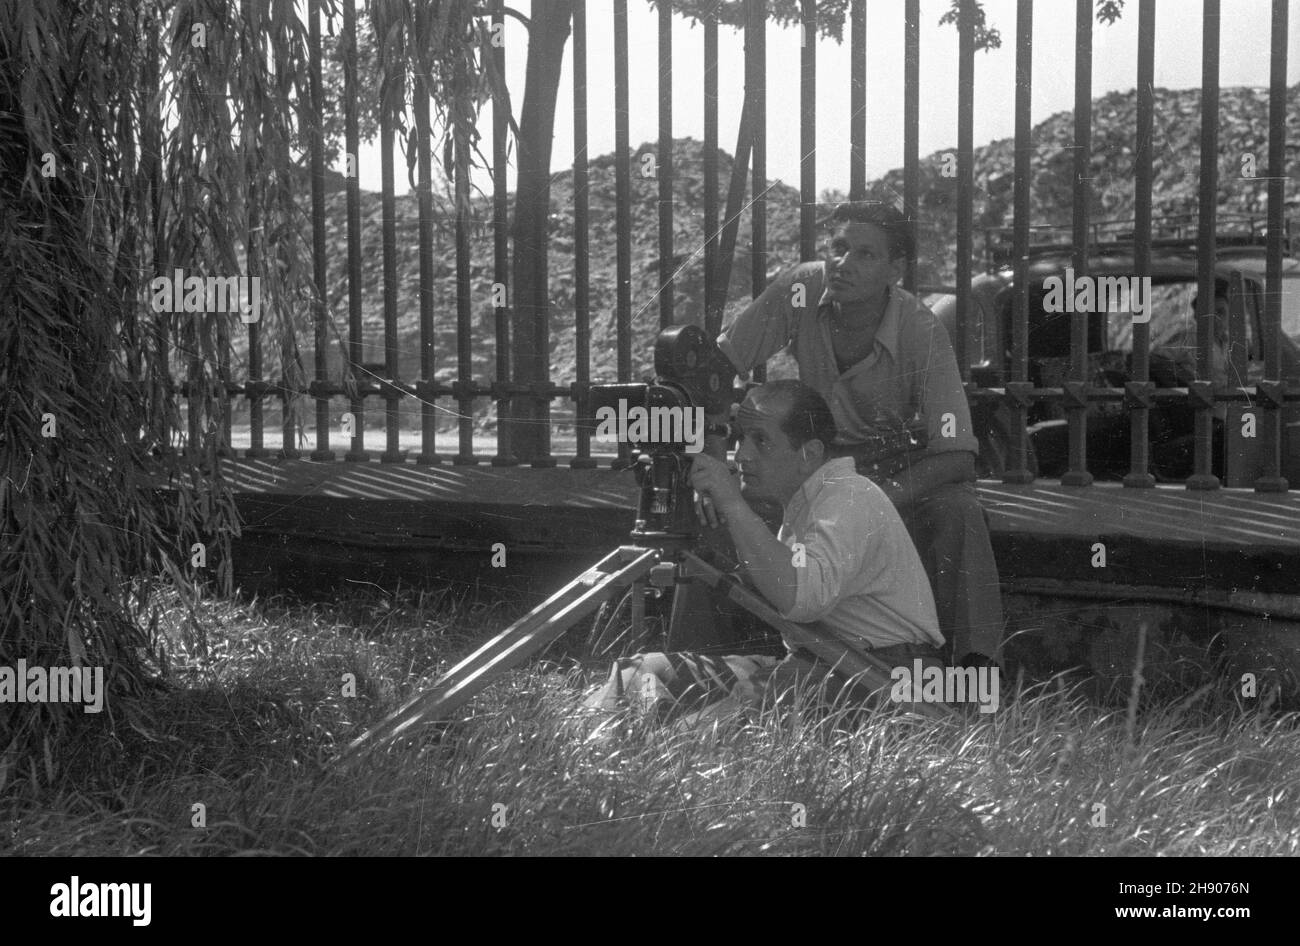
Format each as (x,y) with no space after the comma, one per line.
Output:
(1110,353)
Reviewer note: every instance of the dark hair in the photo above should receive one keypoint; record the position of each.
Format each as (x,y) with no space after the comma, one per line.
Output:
(807,416)
(896,224)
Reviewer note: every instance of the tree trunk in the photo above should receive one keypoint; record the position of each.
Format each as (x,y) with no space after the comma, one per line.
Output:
(530,347)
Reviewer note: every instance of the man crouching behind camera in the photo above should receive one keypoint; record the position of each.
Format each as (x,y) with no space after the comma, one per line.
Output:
(819,569)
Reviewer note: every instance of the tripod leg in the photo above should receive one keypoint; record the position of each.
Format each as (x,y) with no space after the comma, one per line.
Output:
(638,610)
(625,566)
(846,660)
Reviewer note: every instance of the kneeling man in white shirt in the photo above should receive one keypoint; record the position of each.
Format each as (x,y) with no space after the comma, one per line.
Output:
(843,559)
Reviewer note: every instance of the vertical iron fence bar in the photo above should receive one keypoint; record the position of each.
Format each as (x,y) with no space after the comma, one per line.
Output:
(352,141)
(189,335)
(581,237)
(256,446)
(858,100)
(288,449)
(710,163)
(808,133)
(130,259)
(1272,480)
(711,288)
(320,344)
(464,322)
(501,239)
(224,400)
(223,378)
(287,438)
(1018,469)
(1202,477)
(911,125)
(756,90)
(1140,416)
(195,406)
(151,133)
(392,452)
(1080,323)
(965,181)
(428,455)
(288,358)
(184,335)
(622,194)
(253,237)
(542,459)
(623,202)
(665,164)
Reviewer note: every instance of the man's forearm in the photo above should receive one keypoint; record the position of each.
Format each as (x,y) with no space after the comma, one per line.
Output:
(927,474)
(767,560)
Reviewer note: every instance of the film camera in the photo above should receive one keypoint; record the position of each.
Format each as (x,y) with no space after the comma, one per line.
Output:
(690,374)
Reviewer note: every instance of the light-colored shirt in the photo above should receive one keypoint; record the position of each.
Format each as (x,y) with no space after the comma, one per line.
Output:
(911,370)
(860,572)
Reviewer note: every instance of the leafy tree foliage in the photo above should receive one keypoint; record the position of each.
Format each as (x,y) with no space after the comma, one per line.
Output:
(831,14)
(138,137)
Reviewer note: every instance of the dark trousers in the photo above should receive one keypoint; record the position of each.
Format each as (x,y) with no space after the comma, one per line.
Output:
(951,534)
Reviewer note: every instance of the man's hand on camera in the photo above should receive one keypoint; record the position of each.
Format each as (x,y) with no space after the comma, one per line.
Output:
(717,489)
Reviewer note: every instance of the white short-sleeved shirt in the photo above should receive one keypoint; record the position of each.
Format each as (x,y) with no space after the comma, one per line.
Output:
(861,574)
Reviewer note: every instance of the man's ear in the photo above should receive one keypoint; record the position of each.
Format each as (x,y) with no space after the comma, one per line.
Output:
(898,267)
(813,450)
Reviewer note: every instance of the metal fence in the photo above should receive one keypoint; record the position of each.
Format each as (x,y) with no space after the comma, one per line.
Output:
(719,234)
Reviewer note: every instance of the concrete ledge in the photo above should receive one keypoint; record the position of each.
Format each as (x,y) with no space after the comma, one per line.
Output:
(1235,541)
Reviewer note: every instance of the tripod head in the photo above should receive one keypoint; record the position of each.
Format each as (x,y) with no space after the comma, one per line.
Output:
(693,379)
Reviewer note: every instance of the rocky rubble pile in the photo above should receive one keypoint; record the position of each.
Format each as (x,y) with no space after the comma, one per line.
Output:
(1243,132)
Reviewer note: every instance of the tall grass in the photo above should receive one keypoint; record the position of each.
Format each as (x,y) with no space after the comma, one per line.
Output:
(253,723)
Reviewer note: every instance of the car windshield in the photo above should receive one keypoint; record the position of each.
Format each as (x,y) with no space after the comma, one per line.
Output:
(1173,319)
